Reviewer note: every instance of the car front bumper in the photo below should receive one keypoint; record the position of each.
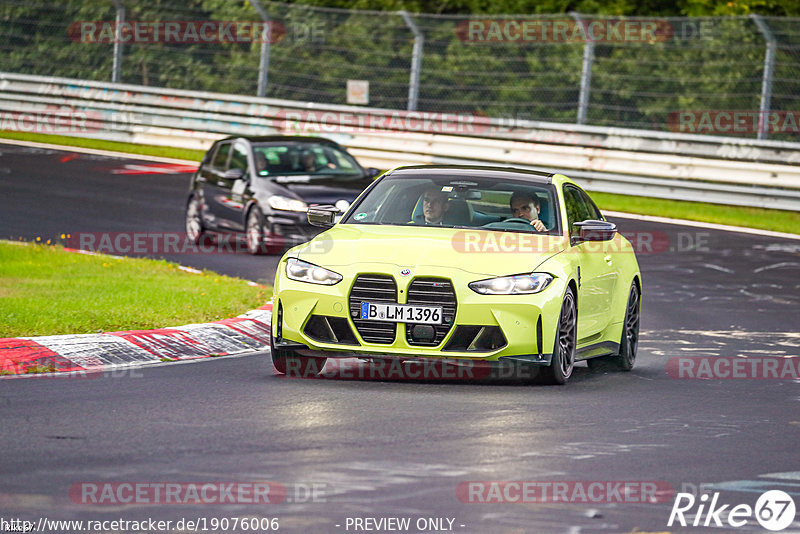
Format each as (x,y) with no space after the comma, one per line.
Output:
(526,324)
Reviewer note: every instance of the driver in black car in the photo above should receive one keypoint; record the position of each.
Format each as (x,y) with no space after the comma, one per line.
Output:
(526,206)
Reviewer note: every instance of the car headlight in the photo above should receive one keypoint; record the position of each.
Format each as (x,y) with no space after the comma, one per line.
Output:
(277,202)
(521,284)
(302,271)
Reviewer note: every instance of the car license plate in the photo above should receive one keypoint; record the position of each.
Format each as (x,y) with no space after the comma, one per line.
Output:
(401,313)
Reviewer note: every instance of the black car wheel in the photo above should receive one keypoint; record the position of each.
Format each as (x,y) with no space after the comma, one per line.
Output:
(629,343)
(254,231)
(563,360)
(194,221)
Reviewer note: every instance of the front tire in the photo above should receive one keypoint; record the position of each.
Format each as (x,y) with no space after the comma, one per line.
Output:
(629,343)
(297,366)
(254,232)
(563,360)
(287,362)
(194,221)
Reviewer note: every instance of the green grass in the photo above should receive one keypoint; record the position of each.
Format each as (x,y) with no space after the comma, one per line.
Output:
(775,220)
(45,290)
(99,144)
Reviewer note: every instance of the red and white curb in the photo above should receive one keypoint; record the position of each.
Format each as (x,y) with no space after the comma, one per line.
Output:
(94,353)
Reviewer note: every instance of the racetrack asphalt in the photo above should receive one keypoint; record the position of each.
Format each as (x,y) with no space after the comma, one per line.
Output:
(389,448)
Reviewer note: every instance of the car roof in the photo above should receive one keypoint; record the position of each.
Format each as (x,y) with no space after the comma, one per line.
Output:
(463,171)
(281,138)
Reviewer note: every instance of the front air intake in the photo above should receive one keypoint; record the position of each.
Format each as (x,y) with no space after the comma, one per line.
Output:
(432,292)
(373,288)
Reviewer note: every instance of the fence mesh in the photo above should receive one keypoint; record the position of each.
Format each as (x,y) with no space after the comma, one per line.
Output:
(706,68)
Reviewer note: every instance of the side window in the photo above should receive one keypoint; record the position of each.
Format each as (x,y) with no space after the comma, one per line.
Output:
(571,205)
(239,158)
(577,209)
(221,157)
(591,208)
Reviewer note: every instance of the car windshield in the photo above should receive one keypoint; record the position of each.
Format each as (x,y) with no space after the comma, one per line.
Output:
(303,159)
(471,202)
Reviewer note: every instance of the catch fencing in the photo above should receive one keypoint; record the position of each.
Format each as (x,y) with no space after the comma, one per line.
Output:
(731,76)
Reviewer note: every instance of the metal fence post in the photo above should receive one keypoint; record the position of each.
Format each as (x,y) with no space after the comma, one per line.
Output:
(116,67)
(766,84)
(586,71)
(416,61)
(266,37)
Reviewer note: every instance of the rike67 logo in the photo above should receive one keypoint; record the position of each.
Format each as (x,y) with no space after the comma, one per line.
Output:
(774,510)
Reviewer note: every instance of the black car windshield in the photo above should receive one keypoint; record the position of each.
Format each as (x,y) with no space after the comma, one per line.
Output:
(471,202)
(303,160)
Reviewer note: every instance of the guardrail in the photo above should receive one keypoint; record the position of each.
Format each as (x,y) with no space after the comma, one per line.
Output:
(666,165)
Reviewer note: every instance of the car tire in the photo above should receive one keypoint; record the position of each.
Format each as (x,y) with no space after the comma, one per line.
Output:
(194,221)
(254,232)
(563,360)
(629,342)
(287,362)
(297,366)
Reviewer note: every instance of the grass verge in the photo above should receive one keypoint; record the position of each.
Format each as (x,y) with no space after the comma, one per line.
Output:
(46,291)
(766,219)
(100,144)
(775,220)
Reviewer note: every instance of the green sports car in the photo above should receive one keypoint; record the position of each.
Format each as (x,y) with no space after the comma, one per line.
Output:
(465,264)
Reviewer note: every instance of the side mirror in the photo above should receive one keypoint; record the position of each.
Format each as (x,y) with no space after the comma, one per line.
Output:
(593,230)
(324,216)
(233,174)
(372,172)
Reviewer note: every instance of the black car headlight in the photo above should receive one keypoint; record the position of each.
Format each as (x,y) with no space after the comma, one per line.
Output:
(278,202)
(520,284)
(302,271)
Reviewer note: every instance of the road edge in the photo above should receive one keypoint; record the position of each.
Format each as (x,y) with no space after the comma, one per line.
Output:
(86,355)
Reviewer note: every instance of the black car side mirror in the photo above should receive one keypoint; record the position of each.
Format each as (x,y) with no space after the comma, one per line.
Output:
(372,172)
(593,230)
(324,216)
(233,174)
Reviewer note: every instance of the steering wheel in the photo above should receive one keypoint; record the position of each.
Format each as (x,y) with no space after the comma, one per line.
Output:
(517,220)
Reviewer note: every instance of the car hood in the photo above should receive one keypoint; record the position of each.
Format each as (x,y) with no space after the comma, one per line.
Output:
(322,189)
(482,252)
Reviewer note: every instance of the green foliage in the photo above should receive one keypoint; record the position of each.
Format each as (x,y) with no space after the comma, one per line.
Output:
(704,64)
(47,291)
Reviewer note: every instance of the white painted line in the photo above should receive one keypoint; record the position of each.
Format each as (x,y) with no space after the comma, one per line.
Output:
(191,270)
(98,152)
(698,224)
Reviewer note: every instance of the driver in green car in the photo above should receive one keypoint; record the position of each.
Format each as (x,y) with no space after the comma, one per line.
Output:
(434,207)
(526,206)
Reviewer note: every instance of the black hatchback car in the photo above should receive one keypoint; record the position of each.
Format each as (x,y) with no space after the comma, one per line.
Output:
(262,187)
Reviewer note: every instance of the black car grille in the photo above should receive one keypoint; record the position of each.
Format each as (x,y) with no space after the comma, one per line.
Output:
(373,288)
(432,292)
